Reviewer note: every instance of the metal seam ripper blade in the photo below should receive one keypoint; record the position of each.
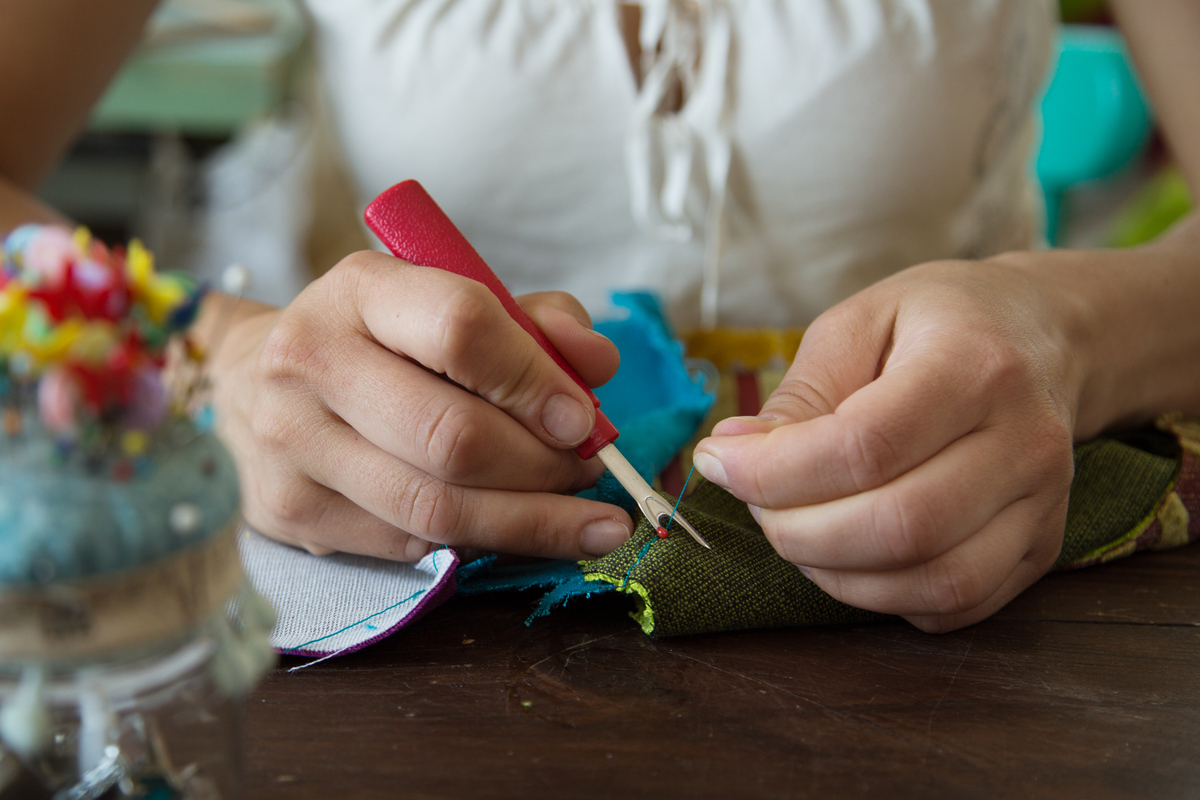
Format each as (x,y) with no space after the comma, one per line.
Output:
(414,228)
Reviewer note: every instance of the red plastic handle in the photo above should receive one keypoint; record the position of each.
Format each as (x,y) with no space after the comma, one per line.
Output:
(414,228)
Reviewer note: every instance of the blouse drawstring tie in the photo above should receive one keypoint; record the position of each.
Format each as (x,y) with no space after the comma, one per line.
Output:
(691,43)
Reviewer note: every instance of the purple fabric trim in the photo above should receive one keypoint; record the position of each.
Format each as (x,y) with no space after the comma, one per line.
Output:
(434,596)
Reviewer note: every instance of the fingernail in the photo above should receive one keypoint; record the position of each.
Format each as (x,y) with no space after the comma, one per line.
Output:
(736,426)
(711,468)
(601,537)
(805,571)
(755,512)
(566,419)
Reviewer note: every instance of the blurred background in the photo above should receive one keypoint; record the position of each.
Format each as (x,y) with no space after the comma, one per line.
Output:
(213,146)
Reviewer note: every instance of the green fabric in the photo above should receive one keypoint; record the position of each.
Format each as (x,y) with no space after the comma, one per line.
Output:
(739,583)
(1117,487)
(681,588)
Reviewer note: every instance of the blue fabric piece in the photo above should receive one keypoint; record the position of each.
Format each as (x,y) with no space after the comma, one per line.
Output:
(656,404)
(467,572)
(652,376)
(575,586)
(484,576)
(563,578)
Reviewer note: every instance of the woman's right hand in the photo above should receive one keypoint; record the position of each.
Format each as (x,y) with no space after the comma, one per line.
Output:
(392,408)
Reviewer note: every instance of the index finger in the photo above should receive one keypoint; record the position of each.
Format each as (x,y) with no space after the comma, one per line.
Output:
(456,327)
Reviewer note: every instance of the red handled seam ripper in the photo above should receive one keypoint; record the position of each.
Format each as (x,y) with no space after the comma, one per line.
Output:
(414,228)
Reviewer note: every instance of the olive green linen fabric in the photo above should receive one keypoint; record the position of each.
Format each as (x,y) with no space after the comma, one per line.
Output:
(1117,487)
(1118,497)
(739,583)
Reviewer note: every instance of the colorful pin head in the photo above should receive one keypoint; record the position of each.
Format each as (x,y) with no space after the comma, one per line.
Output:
(88,326)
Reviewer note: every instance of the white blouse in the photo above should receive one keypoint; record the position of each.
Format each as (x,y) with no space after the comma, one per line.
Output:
(822,144)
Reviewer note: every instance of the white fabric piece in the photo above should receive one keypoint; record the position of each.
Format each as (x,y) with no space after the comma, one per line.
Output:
(865,136)
(332,604)
(693,44)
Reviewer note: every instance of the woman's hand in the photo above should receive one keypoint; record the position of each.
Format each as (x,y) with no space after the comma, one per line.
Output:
(917,458)
(394,408)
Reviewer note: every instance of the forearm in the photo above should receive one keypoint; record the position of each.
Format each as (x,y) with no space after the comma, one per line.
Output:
(56,58)
(1130,322)
(1164,37)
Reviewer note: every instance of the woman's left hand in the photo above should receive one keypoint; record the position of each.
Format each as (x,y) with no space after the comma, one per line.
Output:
(917,458)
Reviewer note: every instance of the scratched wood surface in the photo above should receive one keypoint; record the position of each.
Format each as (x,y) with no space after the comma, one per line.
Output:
(1087,686)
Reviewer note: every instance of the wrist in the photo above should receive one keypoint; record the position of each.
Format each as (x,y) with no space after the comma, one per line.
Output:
(220,329)
(1127,324)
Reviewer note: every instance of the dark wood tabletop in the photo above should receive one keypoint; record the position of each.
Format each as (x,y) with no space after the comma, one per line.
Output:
(1086,686)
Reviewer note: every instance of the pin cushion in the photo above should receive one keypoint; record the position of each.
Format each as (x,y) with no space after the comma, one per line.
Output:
(118,512)
(101,469)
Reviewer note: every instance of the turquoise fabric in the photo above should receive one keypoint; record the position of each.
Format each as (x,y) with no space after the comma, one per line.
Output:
(654,400)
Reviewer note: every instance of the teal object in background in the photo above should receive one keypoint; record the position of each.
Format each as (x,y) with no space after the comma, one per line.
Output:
(653,376)
(654,399)
(1095,116)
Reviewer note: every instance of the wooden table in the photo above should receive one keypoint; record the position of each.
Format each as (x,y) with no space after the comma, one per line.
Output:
(1087,686)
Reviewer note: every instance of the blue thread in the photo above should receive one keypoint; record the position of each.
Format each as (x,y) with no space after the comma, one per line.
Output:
(679,499)
(646,549)
(354,624)
(364,619)
(635,563)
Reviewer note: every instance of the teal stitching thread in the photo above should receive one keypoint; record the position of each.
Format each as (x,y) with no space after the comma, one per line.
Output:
(355,624)
(646,549)
(679,499)
(364,619)
(636,562)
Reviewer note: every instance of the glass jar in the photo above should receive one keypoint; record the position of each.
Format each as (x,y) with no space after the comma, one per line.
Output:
(159,721)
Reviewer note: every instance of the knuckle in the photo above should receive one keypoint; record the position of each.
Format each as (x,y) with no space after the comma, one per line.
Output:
(871,457)
(567,303)
(520,383)
(430,507)
(345,278)
(541,533)
(903,523)
(289,508)
(462,323)
(779,540)
(802,396)
(1045,556)
(454,441)
(290,351)
(999,365)
(952,588)
(1042,451)
(1051,447)
(337,297)
(782,541)
(520,387)
(272,429)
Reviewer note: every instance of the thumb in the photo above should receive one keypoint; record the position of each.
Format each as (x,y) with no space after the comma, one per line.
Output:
(841,352)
